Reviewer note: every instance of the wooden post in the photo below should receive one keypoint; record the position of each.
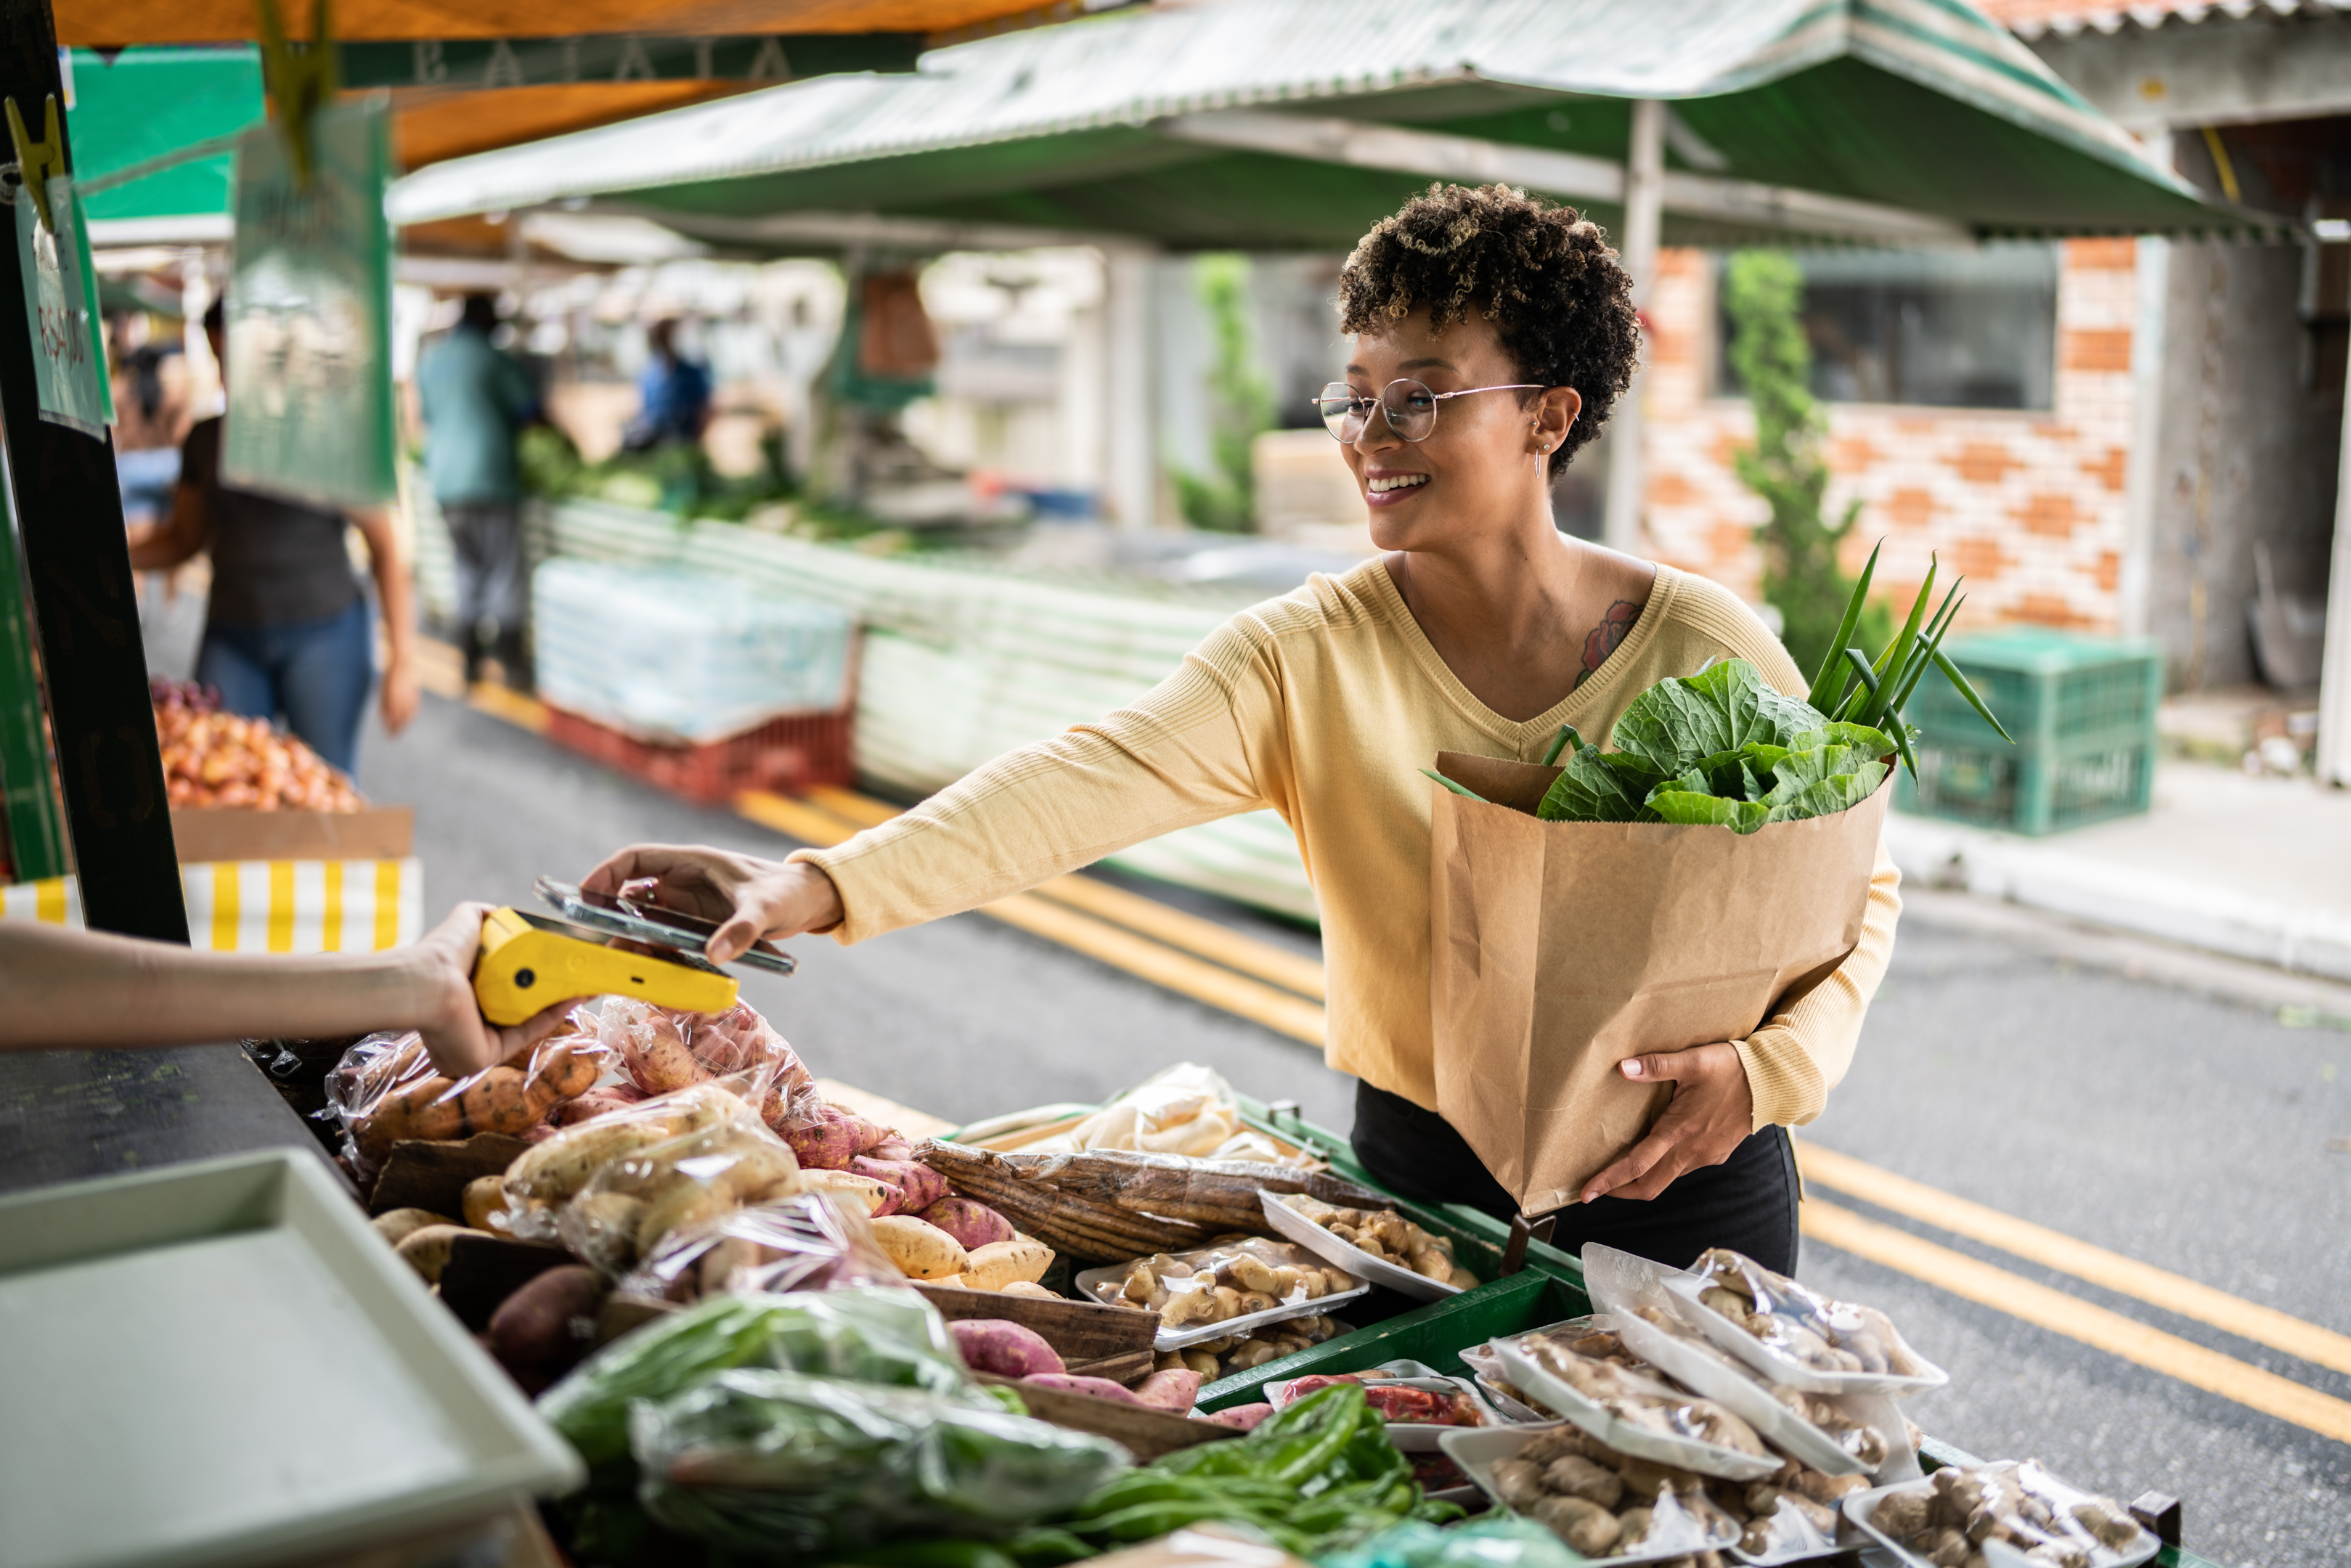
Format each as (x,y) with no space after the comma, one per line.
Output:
(1645,190)
(77,571)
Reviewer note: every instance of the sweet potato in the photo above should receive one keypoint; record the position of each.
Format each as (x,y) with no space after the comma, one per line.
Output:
(660,1059)
(550,1322)
(879,1197)
(598,1102)
(1002,1263)
(1031,1290)
(1240,1418)
(485,1196)
(892,1148)
(1006,1349)
(833,1143)
(1173,1389)
(969,1221)
(398,1225)
(427,1250)
(921,1249)
(920,1185)
(560,1167)
(1071,1383)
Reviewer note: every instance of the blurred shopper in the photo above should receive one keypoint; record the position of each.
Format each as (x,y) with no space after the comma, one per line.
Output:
(286,633)
(476,401)
(152,412)
(673,394)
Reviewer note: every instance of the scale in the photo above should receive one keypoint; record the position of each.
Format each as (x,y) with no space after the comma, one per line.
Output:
(604,946)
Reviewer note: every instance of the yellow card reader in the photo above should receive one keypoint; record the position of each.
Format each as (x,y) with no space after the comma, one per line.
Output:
(528,963)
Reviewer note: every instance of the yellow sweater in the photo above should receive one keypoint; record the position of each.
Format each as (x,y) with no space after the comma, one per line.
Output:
(1325,705)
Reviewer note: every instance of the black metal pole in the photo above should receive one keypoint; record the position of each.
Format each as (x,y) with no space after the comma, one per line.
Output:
(77,565)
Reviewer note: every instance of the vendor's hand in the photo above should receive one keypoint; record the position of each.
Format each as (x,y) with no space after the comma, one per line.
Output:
(1712,1112)
(750,898)
(458,1038)
(399,695)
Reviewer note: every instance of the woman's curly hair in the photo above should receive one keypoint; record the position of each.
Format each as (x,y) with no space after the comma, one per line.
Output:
(1545,276)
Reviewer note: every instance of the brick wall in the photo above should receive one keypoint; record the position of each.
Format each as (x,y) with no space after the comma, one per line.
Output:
(2028,504)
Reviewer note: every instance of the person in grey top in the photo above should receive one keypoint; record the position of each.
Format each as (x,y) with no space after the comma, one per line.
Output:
(476,400)
(287,634)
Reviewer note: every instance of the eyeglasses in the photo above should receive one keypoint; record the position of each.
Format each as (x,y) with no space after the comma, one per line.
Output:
(1408,406)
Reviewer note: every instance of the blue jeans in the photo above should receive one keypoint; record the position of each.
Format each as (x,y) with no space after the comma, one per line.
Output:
(316,674)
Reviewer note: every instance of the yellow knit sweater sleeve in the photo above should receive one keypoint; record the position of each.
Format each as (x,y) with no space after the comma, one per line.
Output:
(1175,757)
(1799,1055)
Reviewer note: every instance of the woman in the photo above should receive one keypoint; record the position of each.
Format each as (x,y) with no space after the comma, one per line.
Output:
(1492,334)
(286,631)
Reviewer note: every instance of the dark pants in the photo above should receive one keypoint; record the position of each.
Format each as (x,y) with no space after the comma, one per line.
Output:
(315,672)
(1747,1203)
(486,540)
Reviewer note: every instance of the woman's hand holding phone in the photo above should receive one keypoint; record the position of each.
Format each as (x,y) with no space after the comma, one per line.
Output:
(750,898)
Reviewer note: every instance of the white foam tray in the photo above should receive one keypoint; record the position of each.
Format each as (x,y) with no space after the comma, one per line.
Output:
(1296,1227)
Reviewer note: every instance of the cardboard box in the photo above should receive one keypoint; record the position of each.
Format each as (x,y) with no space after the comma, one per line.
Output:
(380,832)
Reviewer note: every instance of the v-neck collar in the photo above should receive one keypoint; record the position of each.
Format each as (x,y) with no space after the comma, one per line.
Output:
(1581,701)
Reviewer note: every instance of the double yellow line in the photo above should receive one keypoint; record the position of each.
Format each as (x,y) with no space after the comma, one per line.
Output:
(2112,1331)
(1181,953)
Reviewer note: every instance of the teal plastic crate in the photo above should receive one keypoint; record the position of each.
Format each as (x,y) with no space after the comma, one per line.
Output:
(2083,710)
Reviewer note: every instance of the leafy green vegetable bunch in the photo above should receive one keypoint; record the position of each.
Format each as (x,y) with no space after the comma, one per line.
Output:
(1724,747)
(1315,1477)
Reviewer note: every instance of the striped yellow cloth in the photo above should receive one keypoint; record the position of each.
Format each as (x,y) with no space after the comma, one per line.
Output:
(269,906)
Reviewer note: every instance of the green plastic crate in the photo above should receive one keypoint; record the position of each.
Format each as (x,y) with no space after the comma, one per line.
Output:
(2083,710)
(1435,1335)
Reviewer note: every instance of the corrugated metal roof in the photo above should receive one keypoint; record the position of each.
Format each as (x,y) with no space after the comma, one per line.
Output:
(2033,18)
(1129,68)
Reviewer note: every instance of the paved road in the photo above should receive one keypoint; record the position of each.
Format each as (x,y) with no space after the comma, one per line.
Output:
(2187,1133)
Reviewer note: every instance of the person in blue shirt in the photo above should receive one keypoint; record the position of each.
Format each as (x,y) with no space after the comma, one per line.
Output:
(673,392)
(476,401)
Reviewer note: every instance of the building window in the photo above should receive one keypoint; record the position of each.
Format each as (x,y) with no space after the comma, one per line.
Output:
(1945,328)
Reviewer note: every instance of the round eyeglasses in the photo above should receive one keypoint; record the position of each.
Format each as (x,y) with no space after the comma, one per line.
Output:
(1408,406)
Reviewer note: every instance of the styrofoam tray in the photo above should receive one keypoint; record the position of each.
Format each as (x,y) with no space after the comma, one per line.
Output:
(1476,1450)
(1777,1368)
(1296,1227)
(1861,1506)
(1200,1333)
(1684,1453)
(1620,1284)
(1409,1437)
(232,1368)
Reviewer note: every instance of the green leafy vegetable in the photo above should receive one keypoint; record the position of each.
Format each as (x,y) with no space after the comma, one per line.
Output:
(1724,708)
(869,1333)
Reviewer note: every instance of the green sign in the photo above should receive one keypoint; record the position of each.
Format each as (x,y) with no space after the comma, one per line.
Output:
(309,350)
(61,309)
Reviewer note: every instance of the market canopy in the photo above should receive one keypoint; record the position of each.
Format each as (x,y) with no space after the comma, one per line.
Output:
(465,78)
(1292,123)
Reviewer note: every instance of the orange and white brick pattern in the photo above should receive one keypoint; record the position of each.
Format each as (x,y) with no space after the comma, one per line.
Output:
(2029,505)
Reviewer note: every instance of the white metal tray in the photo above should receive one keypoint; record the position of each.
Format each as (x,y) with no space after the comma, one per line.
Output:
(220,1363)
(1684,1453)
(1296,1227)
(1200,1333)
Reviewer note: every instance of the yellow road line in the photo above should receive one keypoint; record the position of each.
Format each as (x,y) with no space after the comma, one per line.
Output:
(1179,972)
(2076,1319)
(1162,964)
(2053,1249)
(1219,944)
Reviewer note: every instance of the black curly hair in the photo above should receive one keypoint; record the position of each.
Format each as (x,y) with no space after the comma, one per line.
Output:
(1545,274)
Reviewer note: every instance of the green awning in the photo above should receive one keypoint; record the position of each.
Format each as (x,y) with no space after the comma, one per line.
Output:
(1293,123)
(149,103)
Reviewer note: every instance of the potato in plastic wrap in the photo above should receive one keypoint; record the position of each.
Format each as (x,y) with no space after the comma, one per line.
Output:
(1815,1331)
(809,1241)
(546,1177)
(386,1090)
(663,1050)
(685,1182)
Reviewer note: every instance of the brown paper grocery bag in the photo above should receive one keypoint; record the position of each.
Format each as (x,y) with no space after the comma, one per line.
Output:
(1558,949)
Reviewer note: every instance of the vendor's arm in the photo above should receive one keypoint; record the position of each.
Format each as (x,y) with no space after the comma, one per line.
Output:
(398,598)
(184,531)
(85,989)
(1191,750)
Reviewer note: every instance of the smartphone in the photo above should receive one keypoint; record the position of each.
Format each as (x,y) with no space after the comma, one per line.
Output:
(650,923)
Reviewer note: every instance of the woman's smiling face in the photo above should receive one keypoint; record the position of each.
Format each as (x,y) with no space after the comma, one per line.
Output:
(1482,466)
